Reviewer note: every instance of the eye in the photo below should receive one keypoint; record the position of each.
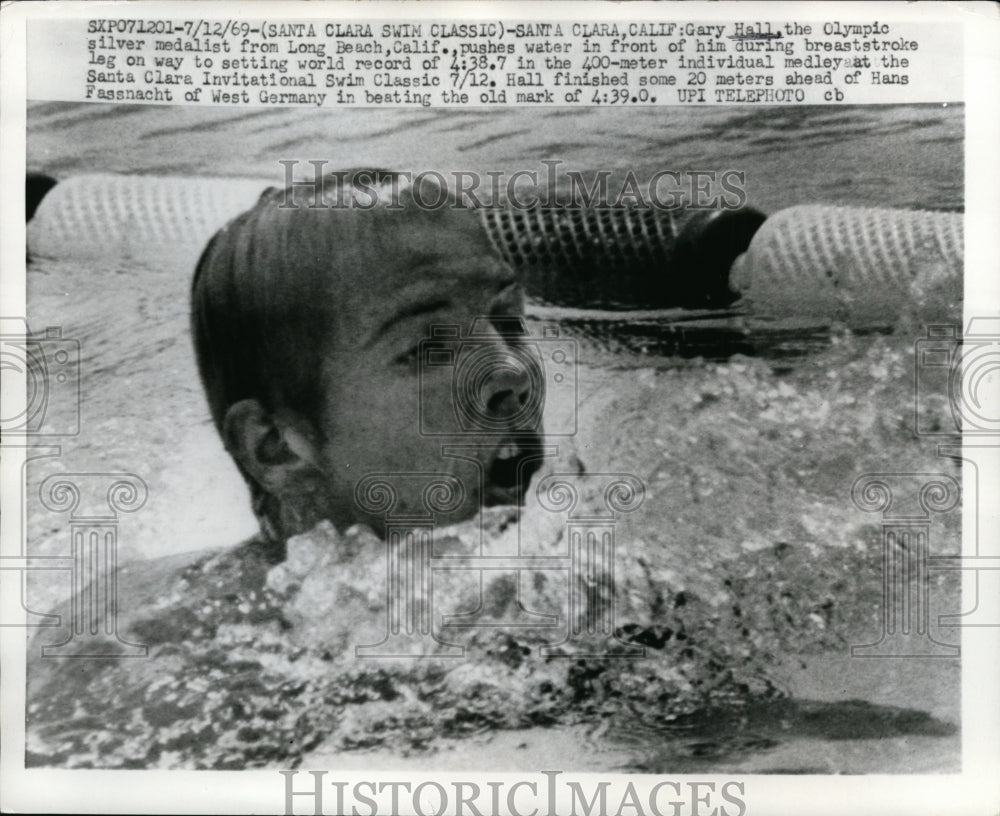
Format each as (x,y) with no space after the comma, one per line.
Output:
(408,358)
(426,349)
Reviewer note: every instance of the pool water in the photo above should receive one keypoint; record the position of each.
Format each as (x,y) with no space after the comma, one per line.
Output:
(747,436)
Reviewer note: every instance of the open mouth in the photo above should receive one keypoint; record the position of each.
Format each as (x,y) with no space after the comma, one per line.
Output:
(510,470)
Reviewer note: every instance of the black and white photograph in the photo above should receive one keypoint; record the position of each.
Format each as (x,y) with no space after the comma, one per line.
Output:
(384,412)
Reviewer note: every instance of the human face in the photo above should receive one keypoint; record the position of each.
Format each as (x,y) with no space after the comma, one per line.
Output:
(387,412)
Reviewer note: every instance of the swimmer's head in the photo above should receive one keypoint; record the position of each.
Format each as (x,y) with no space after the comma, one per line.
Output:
(308,313)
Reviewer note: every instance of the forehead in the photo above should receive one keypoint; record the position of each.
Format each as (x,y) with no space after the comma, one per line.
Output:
(447,254)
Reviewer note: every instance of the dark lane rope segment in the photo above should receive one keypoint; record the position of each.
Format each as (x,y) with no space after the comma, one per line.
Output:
(36,186)
(624,258)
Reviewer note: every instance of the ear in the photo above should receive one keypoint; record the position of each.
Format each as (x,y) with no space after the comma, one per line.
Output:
(274,452)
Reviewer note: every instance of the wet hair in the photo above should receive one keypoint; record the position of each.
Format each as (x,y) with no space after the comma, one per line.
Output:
(264,289)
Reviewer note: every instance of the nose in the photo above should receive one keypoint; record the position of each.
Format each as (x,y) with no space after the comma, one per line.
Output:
(508,390)
(512,392)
